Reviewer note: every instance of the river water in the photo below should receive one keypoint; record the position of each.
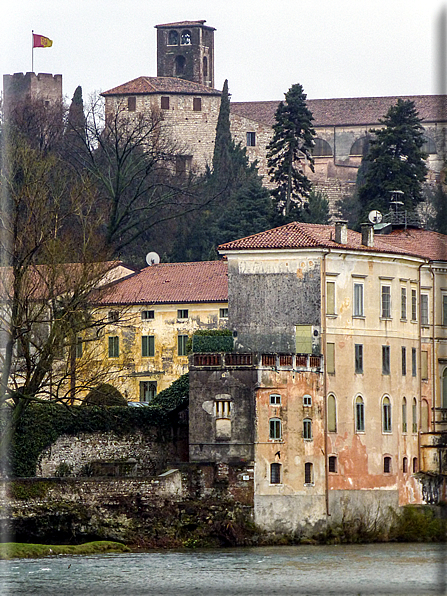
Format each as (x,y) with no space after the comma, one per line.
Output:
(367,570)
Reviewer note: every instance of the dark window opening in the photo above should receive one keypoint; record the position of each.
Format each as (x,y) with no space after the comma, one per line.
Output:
(275,473)
(197,104)
(147,314)
(386,415)
(332,464)
(359,358)
(359,415)
(413,362)
(147,346)
(205,67)
(182,313)
(308,473)
(387,465)
(181,344)
(405,465)
(275,399)
(148,390)
(360,146)
(173,38)
(114,346)
(385,360)
(180,63)
(113,316)
(131,104)
(165,103)
(415,465)
(223,313)
(251,139)
(404,361)
(321,148)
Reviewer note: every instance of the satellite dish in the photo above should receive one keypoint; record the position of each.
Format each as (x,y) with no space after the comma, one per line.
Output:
(152,258)
(375,217)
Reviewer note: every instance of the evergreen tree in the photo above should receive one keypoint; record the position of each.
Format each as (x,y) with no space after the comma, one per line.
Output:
(292,143)
(395,160)
(223,142)
(316,210)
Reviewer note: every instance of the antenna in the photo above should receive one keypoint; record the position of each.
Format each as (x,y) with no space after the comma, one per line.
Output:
(152,258)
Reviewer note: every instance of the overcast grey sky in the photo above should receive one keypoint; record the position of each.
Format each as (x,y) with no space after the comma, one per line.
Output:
(344,48)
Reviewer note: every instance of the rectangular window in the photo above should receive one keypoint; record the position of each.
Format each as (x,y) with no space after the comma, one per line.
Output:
(330,358)
(403,303)
(308,473)
(330,297)
(251,139)
(444,310)
(359,358)
(114,346)
(307,429)
(303,338)
(333,464)
(275,399)
(358,300)
(223,313)
(197,104)
(147,314)
(182,313)
(404,361)
(307,401)
(386,302)
(275,473)
(387,465)
(385,360)
(113,316)
(424,365)
(275,429)
(181,344)
(414,369)
(165,103)
(424,309)
(131,104)
(148,390)
(414,306)
(147,346)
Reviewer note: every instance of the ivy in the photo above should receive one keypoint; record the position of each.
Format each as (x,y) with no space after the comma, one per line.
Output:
(42,424)
(210,340)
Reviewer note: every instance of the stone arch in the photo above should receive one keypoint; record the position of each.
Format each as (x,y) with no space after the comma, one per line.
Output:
(360,146)
(185,39)
(429,145)
(321,148)
(173,38)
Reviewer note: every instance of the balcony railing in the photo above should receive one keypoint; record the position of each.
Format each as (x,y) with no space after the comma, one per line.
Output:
(274,361)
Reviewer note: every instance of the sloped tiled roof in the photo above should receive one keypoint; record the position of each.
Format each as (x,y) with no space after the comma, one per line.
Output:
(152,85)
(187,24)
(354,111)
(419,243)
(172,283)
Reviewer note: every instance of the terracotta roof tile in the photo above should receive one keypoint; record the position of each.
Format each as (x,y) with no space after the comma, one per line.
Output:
(153,85)
(419,243)
(172,283)
(186,24)
(355,111)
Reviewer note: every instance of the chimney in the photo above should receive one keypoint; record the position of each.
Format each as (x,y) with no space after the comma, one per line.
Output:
(341,232)
(367,234)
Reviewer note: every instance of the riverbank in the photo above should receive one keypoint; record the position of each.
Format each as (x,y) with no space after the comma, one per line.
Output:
(18,550)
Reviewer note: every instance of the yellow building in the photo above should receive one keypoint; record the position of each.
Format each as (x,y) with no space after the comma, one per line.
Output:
(151,316)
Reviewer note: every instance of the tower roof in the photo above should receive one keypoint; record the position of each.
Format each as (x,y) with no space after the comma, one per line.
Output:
(154,85)
(186,24)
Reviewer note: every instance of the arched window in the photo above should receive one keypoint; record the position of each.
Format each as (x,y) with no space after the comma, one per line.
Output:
(275,428)
(404,415)
(186,38)
(415,465)
(405,465)
(308,473)
(205,67)
(173,38)
(444,389)
(360,146)
(321,148)
(359,415)
(387,464)
(180,62)
(331,414)
(386,415)
(429,145)
(424,416)
(307,429)
(414,412)
(275,473)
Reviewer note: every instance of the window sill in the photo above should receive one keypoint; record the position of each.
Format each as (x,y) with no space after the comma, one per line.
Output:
(331,316)
(309,484)
(386,318)
(361,317)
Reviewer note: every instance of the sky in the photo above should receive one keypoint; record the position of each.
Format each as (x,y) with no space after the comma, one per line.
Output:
(333,48)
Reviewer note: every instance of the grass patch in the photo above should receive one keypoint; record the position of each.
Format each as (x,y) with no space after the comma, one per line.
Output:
(19,550)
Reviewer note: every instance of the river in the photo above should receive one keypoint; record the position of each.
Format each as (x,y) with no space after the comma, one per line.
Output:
(367,570)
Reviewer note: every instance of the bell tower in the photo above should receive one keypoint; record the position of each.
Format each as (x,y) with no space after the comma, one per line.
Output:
(186,50)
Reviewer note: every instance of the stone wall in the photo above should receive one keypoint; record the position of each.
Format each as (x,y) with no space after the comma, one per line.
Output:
(187,505)
(21,86)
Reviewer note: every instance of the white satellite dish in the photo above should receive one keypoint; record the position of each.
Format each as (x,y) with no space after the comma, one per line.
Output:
(375,217)
(152,258)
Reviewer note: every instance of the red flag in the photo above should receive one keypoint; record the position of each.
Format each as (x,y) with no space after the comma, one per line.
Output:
(39,41)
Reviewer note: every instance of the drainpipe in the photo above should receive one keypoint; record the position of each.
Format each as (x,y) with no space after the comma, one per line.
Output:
(420,364)
(323,341)
(434,374)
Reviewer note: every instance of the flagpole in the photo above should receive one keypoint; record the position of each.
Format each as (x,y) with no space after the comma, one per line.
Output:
(32,50)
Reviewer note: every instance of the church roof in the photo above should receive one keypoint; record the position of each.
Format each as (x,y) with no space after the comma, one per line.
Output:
(295,235)
(186,24)
(172,283)
(351,111)
(155,85)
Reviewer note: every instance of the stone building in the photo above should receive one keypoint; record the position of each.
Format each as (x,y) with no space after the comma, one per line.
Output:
(31,86)
(151,315)
(342,337)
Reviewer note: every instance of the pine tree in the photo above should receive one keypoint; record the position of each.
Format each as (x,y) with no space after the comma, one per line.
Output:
(291,144)
(395,160)
(223,142)
(316,210)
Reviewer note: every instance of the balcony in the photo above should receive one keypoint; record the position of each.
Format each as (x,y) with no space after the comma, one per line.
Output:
(297,362)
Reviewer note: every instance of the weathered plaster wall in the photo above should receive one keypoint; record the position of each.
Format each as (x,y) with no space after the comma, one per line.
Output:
(268,297)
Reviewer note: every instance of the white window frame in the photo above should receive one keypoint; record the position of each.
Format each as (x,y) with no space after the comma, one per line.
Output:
(358,299)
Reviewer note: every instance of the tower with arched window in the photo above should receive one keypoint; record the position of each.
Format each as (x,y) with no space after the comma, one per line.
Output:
(186,50)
